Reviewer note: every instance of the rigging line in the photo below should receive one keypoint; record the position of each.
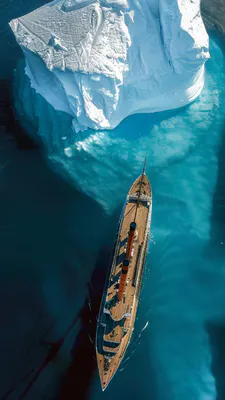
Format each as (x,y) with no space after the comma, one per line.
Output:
(128,212)
(11,390)
(140,186)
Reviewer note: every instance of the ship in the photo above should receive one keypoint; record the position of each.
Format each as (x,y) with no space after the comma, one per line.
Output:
(120,298)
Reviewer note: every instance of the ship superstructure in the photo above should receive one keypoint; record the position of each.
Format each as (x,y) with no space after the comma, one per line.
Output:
(120,298)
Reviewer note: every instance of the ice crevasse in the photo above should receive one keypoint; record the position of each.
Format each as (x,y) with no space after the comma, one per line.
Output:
(102,60)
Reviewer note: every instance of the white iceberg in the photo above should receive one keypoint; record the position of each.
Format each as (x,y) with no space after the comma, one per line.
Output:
(102,60)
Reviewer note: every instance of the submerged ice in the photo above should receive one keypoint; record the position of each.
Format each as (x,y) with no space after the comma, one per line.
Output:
(104,163)
(102,60)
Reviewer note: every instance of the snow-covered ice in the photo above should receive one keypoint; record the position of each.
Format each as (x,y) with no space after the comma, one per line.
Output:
(102,60)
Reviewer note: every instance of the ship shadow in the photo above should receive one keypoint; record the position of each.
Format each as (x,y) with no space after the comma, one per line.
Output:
(78,380)
(83,368)
(23,262)
(41,222)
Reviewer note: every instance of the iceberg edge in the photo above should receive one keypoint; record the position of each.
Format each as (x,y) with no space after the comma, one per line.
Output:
(101,61)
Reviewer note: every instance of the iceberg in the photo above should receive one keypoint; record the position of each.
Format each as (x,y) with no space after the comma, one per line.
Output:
(103,60)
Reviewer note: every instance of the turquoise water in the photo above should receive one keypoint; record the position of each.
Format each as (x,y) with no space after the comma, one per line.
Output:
(184,282)
(53,264)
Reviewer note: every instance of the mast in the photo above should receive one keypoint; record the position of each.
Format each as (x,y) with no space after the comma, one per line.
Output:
(131,236)
(144,166)
(141,183)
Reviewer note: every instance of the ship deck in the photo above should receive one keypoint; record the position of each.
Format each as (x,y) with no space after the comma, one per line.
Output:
(116,319)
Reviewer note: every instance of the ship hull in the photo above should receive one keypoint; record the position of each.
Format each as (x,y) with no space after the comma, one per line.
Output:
(121,295)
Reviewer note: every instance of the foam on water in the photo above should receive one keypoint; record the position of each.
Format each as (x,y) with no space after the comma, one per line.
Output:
(181,291)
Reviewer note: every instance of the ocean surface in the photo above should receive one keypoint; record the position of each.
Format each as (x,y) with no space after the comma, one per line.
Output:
(57,233)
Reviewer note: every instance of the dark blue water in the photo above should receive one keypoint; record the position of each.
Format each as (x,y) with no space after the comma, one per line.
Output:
(53,265)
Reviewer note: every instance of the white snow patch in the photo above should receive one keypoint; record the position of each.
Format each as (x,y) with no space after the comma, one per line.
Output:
(102,60)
